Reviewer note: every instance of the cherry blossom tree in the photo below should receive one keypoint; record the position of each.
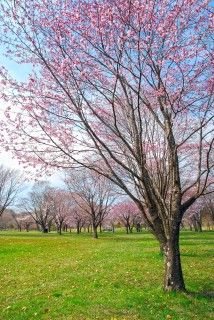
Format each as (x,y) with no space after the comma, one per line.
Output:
(27,221)
(60,207)
(193,216)
(112,220)
(208,215)
(22,220)
(200,214)
(78,217)
(121,87)
(128,215)
(18,220)
(93,195)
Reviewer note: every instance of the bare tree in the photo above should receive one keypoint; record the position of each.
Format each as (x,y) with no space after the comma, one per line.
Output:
(11,184)
(39,205)
(18,220)
(92,193)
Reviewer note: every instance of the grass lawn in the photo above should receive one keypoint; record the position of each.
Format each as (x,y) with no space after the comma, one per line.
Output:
(116,277)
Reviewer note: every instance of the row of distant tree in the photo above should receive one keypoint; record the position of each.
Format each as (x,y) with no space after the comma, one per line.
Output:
(87,202)
(126,219)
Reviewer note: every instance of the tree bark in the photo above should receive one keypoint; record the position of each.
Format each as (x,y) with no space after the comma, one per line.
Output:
(173,280)
(95,234)
(127,229)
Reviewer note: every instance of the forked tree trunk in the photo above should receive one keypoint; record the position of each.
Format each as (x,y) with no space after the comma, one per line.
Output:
(173,279)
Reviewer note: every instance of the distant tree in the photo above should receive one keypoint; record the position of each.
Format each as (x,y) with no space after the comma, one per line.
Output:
(78,218)
(201,213)
(39,205)
(208,211)
(196,220)
(128,214)
(193,216)
(92,193)
(27,221)
(11,184)
(61,207)
(18,220)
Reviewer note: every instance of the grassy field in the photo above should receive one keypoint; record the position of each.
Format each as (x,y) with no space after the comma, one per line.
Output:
(116,277)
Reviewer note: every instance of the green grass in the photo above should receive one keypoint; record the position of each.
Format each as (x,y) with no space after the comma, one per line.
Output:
(116,277)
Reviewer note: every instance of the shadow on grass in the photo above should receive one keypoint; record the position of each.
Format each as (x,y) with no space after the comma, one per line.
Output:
(33,235)
(196,255)
(201,294)
(130,238)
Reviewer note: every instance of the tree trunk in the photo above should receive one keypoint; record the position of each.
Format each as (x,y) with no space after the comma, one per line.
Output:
(162,245)
(127,229)
(95,234)
(173,280)
(199,226)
